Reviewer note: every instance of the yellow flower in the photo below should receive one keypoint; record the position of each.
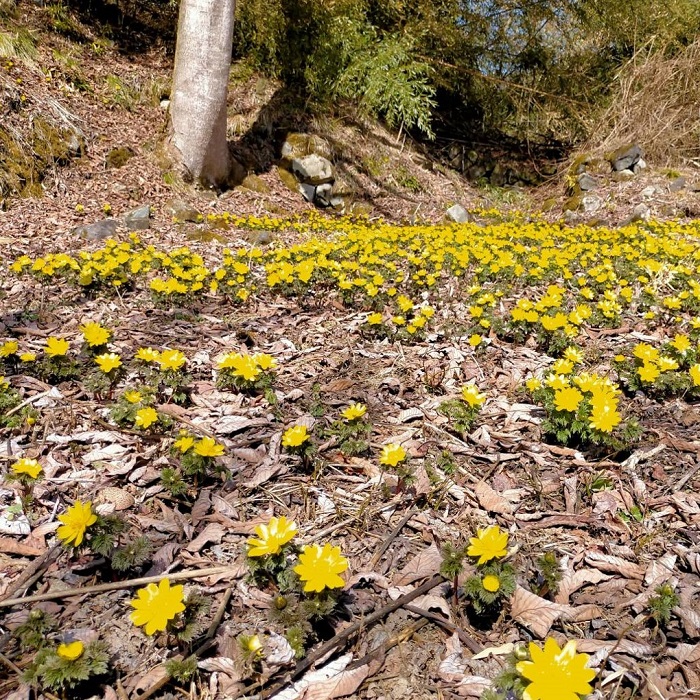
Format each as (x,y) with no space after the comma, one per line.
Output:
(108,361)
(475,340)
(681,343)
(489,543)
(265,362)
(171,359)
(695,374)
(147,355)
(208,447)
(30,467)
(184,442)
(648,373)
(56,347)
(491,583)
(132,396)
(392,454)
(470,394)
(27,357)
(9,348)
(556,674)
(72,651)
(604,415)
(156,605)
(76,520)
(295,436)
(94,334)
(374,319)
(355,410)
(563,366)
(567,399)
(243,366)
(254,645)
(646,352)
(533,384)
(573,354)
(319,567)
(145,417)
(271,537)
(666,364)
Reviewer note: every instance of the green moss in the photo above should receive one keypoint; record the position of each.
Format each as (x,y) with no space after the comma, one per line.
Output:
(24,163)
(118,157)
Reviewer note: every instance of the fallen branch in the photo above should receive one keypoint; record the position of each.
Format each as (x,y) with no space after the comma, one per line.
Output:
(117,585)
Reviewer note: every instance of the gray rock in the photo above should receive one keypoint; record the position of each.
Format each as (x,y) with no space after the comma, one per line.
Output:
(299,145)
(337,202)
(641,213)
(309,191)
(677,185)
(587,182)
(623,175)
(640,165)
(626,157)
(181,211)
(591,203)
(694,186)
(458,214)
(98,231)
(648,192)
(165,104)
(570,217)
(476,172)
(313,169)
(323,195)
(138,219)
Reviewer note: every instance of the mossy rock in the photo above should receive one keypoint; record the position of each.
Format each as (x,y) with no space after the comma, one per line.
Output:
(119,157)
(573,203)
(549,204)
(22,169)
(254,183)
(288,179)
(300,145)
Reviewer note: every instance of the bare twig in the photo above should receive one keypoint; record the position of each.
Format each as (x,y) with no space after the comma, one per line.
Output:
(117,585)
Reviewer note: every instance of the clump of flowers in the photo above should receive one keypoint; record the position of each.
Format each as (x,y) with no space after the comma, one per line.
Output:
(197,457)
(463,411)
(297,439)
(494,580)
(9,355)
(129,402)
(582,409)
(245,372)
(68,665)
(267,552)
(352,430)
(56,365)
(95,337)
(395,456)
(26,472)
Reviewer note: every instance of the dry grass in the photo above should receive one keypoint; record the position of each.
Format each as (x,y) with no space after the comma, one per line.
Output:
(657,105)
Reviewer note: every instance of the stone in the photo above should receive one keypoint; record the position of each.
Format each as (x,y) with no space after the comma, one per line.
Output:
(640,165)
(549,204)
(570,217)
(458,214)
(323,194)
(677,185)
(623,176)
(641,213)
(648,192)
(75,144)
(587,182)
(181,211)
(99,231)
(338,202)
(288,180)
(309,191)
(119,157)
(255,183)
(476,172)
(165,104)
(313,169)
(573,203)
(138,219)
(299,145)
(626,157)
(591,203)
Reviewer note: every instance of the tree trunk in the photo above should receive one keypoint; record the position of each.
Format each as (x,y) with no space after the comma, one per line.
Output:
(200,81)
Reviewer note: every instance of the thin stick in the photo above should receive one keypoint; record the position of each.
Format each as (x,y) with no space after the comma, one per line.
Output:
(474,646)
(117,585)
(33,572)
(392,536)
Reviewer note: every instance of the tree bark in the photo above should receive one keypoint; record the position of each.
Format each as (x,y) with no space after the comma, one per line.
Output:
(200,82)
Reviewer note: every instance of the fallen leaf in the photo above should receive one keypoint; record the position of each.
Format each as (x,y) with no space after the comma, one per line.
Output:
(492,500)
(10,546)
(535,613)
(615,565)
(425,563)
(213,532)
(573,580)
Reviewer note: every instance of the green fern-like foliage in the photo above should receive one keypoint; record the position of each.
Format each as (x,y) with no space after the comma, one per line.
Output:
(134,554)
(53,673)
(182,671)
(35,632)
(193,621)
